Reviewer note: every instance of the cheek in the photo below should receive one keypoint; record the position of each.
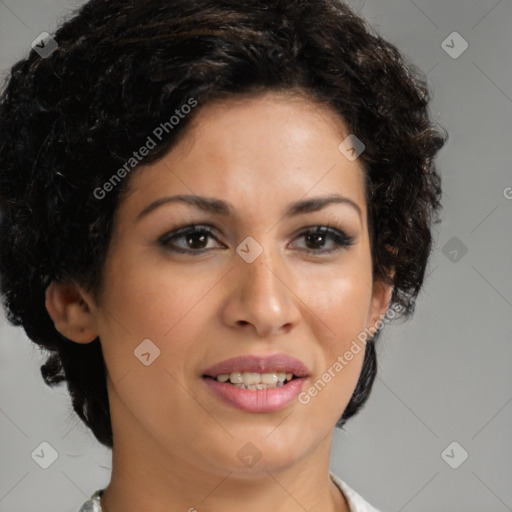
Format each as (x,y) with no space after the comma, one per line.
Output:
(340,299)
(154,300)
(168,308)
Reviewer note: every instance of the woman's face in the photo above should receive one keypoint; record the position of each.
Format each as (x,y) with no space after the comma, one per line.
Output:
(258,285)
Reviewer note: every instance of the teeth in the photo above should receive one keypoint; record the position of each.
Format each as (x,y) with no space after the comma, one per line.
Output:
(236,378)
(252,380)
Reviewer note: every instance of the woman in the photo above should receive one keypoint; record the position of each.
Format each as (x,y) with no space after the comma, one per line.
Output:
(208,211)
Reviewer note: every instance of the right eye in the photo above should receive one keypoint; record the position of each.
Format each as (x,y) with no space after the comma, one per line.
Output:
(195,239)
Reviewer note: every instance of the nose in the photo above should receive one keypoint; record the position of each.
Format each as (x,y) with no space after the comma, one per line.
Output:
(261,297)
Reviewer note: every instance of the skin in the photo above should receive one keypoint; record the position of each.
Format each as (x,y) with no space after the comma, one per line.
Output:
(175,443)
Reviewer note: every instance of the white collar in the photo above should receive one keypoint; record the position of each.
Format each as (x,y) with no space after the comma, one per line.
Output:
(355,501)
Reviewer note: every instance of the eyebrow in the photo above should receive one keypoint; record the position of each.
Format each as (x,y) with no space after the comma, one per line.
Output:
(219,207)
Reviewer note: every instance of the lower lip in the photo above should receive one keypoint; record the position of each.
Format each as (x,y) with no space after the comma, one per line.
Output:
(256,400)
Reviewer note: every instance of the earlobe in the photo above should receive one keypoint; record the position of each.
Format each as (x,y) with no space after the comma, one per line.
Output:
(70,313)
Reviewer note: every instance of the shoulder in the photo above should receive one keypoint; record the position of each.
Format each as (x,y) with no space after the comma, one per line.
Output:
(356,502)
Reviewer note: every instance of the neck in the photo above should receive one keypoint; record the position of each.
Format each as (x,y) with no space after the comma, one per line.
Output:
(145,477)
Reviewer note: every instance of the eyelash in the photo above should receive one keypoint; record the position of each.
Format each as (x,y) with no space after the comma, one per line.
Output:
(339,237)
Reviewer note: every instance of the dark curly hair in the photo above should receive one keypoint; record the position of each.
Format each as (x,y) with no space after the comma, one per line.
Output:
(69,120)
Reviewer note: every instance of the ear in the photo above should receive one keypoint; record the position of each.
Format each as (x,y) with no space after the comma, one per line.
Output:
(381,299)
(69,308)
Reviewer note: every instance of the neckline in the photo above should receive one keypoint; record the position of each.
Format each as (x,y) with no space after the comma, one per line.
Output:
(97,495)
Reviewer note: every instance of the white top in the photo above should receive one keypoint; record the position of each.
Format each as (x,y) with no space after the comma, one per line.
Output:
(355,502)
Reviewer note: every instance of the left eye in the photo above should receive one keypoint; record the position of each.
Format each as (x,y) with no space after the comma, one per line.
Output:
(320,234)
(196,238)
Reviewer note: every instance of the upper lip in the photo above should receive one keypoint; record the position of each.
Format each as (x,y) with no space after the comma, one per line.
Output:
(258,364)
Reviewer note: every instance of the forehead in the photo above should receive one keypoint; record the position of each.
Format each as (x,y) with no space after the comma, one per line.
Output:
(273,148)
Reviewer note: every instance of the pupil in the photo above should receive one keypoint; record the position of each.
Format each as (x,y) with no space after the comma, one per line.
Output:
(201,237)
(317,235)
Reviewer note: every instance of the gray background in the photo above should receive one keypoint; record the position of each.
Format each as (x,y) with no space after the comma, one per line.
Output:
(444,376)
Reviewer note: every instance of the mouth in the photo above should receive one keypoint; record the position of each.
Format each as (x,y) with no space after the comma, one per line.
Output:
(256,398)
(255,380)
(257,384)
(269,371)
